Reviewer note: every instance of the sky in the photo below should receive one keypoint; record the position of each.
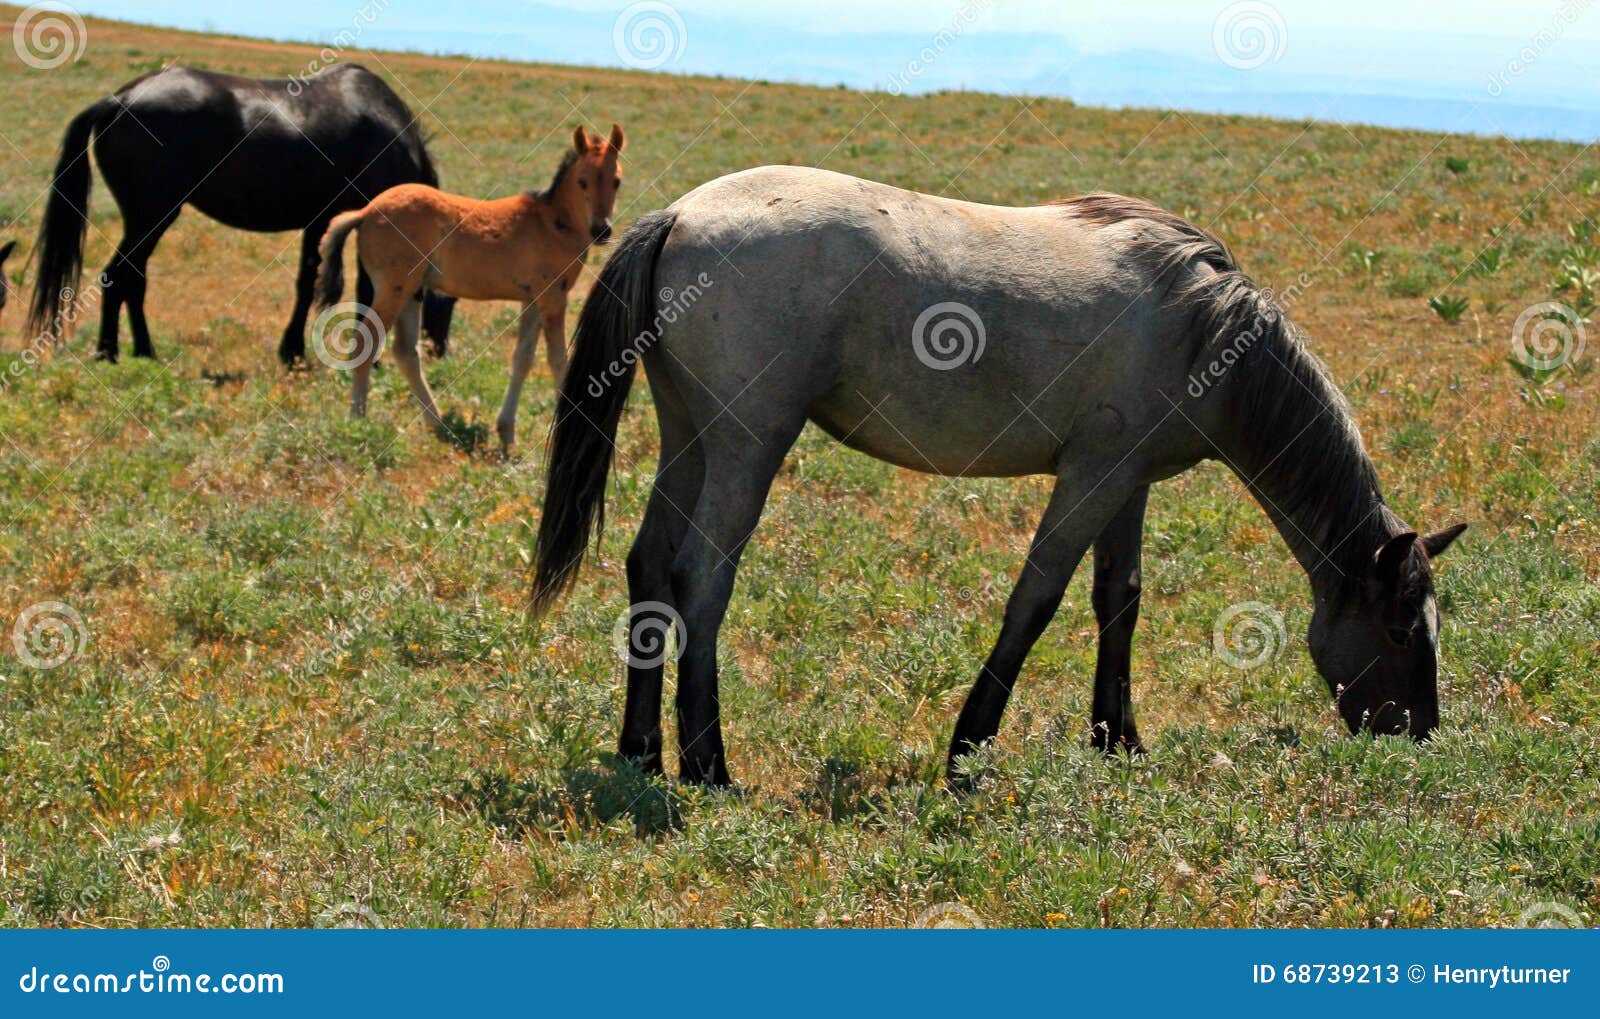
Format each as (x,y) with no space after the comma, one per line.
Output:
(1525,68)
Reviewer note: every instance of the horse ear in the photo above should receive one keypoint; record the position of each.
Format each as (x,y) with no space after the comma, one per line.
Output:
(1393,555)
(5,252)
(618,139)
(580,138)
(1434,544)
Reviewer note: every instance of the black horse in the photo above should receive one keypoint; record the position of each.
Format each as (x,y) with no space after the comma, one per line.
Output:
(257,154)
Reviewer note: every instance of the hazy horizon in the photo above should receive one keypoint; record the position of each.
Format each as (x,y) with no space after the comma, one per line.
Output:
(1520,72)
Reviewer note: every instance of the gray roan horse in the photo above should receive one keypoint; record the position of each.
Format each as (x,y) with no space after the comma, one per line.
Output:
(1095,334)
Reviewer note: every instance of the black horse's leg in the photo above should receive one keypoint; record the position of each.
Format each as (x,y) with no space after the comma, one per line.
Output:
(292,348)
(1080,505)
(738,475)
(1116,609)
(132,279)
(677,488)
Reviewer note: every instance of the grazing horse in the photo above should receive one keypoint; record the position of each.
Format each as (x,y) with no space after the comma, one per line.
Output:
(528,248)
(5,284)
(256,154)
(1102,341)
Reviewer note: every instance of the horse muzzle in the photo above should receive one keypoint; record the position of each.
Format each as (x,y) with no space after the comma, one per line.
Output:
(600,233)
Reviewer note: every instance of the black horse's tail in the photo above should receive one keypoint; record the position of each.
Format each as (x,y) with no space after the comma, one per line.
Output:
(330,271)
(66,217)
(618,314)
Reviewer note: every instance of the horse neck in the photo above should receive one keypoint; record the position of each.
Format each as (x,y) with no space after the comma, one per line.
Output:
(1294,443)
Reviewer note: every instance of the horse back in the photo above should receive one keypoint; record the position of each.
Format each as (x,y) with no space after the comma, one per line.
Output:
(262,154)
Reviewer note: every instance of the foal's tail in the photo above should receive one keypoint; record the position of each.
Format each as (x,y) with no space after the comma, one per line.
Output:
(66,217)
(617,314)
(330,274)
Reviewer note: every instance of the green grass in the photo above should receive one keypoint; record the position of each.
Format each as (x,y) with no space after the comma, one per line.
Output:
(308,681)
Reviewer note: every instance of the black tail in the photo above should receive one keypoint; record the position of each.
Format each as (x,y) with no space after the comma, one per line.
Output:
(618,313)
(60,245)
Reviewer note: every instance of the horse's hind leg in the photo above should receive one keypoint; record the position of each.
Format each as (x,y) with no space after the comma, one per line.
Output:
(738,475)
(125,280)
(292,347)
(1081,504)
(666,519)
(385,308)
(407,334)
(1116,609)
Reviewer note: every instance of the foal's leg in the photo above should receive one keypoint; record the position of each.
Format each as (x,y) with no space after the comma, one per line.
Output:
(555,338)
(666,519)
(386,305)
(407,334)
(292,347)
(1080,505)
(738,474)
(1116,609)
(521,361)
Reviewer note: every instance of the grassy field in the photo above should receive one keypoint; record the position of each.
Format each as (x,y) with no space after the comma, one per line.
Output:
(306,692)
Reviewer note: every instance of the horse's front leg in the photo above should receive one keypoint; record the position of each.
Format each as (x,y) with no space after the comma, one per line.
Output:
(1116,610)
(521,363)
(1083,501)
(555,338)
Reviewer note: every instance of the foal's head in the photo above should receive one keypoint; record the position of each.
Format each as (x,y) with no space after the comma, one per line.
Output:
(1376,641)
(591,178)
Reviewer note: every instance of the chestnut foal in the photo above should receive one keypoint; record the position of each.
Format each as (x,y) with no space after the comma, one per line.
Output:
(527,248)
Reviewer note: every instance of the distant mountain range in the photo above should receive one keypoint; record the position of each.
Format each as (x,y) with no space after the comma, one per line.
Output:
(1443,82)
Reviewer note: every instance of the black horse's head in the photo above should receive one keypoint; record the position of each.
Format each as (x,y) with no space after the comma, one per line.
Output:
(436,312)
(1376,641)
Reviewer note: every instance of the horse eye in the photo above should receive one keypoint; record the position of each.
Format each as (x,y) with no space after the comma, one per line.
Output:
(583,184)
(1401,635)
